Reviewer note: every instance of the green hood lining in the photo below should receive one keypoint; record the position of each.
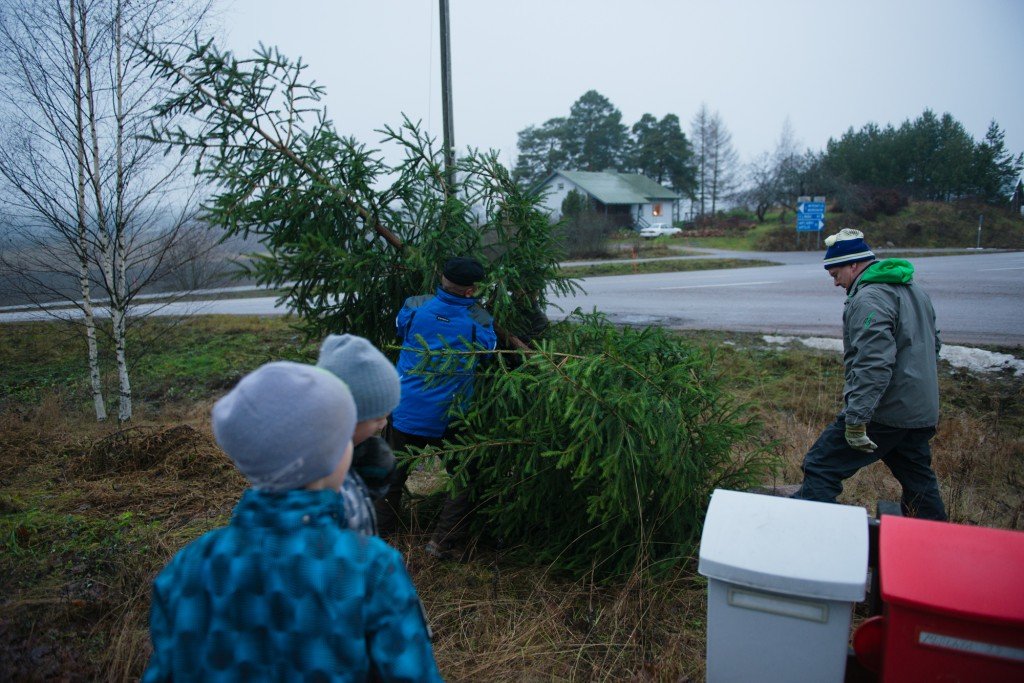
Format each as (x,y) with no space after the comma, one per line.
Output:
(890,270)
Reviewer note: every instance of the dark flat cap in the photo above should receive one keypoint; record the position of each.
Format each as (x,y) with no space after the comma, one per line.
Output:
(463,271)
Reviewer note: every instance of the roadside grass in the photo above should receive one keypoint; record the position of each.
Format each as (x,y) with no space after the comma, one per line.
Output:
(745,241)
(918,254)
(219,351)
(623,245)
(663,266)
(90,512)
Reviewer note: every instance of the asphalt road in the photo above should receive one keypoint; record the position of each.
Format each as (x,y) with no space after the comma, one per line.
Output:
(978,298)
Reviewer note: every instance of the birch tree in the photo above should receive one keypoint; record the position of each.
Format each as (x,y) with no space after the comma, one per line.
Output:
(95,208)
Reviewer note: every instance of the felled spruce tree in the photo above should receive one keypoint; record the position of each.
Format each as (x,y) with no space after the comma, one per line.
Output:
(599,447)
(348,236)
(600,451)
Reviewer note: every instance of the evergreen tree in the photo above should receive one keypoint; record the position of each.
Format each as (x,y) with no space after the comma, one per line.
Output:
(595,137)
(996,171)
(613,438)
(600,451)
(932,157)
(922,141)
(347,236)
(575,204)
(677,155)
(541,152)
(644,155)
(661,151)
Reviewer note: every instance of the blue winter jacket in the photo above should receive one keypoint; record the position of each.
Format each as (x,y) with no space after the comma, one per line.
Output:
(434,323)
(286,593)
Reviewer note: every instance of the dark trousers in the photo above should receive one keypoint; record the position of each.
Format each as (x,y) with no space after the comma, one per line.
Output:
(906,452)
(450,526)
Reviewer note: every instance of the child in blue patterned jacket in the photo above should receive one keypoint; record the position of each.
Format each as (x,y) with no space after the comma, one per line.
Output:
(286,591)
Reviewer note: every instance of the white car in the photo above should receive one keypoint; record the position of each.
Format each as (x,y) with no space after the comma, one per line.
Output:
(659,230)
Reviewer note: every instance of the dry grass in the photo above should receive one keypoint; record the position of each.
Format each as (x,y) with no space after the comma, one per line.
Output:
(80,607)
(89,513)
(977,453)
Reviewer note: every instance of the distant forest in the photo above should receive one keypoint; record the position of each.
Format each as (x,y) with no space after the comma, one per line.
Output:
(868,171)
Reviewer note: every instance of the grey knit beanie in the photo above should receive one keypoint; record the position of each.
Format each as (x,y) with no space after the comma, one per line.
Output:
(368,373)
(285,425)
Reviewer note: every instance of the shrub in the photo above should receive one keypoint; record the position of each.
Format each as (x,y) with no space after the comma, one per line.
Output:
(736,221)
(600,450)
(584,234)
(785,238)
(871,202)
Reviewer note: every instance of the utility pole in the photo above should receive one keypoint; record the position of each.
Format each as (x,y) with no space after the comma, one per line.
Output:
(446,99)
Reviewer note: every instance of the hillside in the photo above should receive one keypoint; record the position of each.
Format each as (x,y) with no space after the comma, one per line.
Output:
(918,225)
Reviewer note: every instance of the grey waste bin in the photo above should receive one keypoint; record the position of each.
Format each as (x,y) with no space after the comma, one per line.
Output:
(782,575)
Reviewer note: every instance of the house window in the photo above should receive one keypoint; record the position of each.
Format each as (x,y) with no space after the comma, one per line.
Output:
(561,186)
(656,209)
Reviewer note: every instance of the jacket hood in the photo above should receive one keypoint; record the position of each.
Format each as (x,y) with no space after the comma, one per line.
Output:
(292,509)
(455,299)
(891,271)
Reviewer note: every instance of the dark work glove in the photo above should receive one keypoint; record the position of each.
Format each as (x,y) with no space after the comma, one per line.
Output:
(374,462)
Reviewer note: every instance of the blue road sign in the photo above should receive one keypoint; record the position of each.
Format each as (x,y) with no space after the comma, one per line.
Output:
(810,216)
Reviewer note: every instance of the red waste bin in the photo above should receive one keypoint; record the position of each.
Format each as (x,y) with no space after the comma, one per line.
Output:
(954,603)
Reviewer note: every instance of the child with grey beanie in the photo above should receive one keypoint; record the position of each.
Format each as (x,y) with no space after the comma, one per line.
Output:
(278,441)
(285,592)
(376,390)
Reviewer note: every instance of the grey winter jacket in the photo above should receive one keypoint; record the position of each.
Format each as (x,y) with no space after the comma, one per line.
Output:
(890,349)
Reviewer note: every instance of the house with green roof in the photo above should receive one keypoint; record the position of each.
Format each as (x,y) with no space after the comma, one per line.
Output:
(634,198)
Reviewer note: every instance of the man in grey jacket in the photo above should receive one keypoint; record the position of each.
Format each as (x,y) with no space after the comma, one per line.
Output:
(891,391)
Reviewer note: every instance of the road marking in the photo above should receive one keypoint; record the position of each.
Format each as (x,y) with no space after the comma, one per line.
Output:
(991,269)
(730,284)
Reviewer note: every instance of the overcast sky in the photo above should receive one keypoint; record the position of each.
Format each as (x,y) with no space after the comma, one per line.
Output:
(827,65)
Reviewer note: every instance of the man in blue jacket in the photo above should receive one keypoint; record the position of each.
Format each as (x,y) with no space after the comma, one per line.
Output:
(431,328)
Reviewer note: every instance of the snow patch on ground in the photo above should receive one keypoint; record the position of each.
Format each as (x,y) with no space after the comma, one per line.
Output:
(975,360)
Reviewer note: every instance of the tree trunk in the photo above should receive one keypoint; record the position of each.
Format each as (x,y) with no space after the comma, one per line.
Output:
(119,319)
(120,285)
(110,232)
(90,337)
(95,378)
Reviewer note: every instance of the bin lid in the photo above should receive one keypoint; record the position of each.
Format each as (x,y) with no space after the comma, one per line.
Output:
(782,545)
(968,571)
